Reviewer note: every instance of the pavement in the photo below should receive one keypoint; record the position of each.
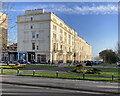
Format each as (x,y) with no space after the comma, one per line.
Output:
(80,85)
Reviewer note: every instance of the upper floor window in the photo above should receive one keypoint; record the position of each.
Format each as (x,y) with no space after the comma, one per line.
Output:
(54,19)
(54,36)
(69,37)
(31,27)
(33,46)
(33,35)
(54,27)
(66,28)
(31,18)
(61,39)
(37,35)
(61,47)
(61,24)
(65,34)
(61,31)
(37,47)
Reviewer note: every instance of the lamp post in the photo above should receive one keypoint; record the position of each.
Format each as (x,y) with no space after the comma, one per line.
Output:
(7,57)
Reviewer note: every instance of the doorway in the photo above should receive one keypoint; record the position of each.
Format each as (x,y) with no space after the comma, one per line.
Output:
(31,57)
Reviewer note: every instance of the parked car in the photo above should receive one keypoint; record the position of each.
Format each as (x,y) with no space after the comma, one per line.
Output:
(96,62)
(89,63)
(23,62)
(118,63)
(3,61)
(100,62)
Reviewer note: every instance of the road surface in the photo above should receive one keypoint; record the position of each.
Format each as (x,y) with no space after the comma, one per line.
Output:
(20,90)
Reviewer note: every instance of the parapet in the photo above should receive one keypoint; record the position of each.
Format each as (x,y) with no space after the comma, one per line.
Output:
(35,11)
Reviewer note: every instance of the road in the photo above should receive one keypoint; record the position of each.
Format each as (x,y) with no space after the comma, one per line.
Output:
(20,90)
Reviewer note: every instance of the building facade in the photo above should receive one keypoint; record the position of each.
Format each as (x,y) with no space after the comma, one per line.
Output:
(43,37)
(3,36)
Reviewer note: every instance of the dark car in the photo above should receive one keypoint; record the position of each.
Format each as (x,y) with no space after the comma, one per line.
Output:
(118,63)
(23,62)
(88,63)
(4,61)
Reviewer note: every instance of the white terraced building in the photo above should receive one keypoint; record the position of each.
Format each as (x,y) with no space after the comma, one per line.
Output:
(43,37)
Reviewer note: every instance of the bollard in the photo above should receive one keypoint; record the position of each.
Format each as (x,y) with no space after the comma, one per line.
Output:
(112,76)
(18,71)
(33,72)
(1,70)
(57,74)
(83,75)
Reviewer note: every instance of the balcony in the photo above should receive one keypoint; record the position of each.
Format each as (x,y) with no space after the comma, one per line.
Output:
(55,50)
(60,51)
(69,52)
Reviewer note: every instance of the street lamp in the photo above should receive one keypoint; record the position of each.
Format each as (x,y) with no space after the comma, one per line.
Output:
(7,57)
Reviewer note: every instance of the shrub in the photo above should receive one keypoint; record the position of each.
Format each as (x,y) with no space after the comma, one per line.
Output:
(83,70)
(93,71)
(17,64)
(78,67)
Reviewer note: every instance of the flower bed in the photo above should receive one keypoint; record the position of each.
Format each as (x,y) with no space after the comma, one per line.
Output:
(80,69)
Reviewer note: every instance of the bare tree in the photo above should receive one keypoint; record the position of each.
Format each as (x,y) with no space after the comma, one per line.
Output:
(5,8)
(6,16)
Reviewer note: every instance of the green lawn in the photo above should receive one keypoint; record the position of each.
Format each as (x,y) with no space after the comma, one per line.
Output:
(102,74)
(30,66)
(105,74)
(8,71)
(69,76)
(25,66)
(107,64)
(73,67)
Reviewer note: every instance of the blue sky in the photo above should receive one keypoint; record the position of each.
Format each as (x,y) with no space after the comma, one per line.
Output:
(97,23)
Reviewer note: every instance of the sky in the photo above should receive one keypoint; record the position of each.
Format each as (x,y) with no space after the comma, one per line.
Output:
(96,22)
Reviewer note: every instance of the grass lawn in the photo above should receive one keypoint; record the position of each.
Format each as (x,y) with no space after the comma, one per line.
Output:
(69,76)
(107,64)
(102,74)
(3,65)
(9,71)
(73,67)
(30,66)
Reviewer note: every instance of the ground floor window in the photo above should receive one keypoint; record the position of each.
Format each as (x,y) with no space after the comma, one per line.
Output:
(23,56)
(41,58)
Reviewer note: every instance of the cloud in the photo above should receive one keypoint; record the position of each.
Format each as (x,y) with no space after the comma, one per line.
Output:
(101,9)
(75,9)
